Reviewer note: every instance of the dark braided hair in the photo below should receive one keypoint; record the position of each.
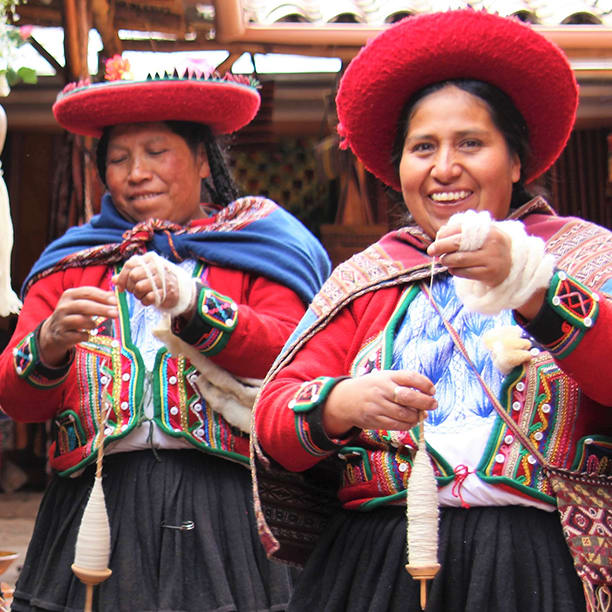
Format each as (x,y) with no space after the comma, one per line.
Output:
(222,191)
(504,114)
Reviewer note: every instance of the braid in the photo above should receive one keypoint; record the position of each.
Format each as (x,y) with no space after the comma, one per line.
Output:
(224,190)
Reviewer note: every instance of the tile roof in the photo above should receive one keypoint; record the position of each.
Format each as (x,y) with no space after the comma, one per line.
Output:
(379,12)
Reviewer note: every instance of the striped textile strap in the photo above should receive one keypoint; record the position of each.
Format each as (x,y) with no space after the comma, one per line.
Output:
(518,432)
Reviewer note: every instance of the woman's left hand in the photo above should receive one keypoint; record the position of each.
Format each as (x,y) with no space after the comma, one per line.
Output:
(155,281)
(489,264)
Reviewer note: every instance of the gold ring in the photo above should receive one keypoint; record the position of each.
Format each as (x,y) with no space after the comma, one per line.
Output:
(395,394)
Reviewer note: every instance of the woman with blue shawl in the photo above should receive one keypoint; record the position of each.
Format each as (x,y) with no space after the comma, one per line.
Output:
(148,330)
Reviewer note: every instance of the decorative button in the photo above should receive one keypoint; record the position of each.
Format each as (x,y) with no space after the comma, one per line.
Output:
(531,459)
(402,467)
(546,408)
(124,405)
(534,351)
(174,410)
(108,431)
(114,343)
(93,332)
(589,441)
(509,439)
(124,427)
(199,432)
(197,407)
(234,307)
(562,275)
(516,405)
(291,403)
(538,435)
(125,376)
(556,300)
(104,379)
(19,370)
(172,380)
(520,386)
(15,352)
(588,322)
(204,308)
(596,297)
(499,458)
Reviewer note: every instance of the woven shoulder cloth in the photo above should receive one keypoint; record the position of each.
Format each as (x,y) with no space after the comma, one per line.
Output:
(584,503)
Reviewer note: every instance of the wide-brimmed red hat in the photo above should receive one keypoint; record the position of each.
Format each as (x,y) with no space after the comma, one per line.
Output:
(225,104)
(426,49)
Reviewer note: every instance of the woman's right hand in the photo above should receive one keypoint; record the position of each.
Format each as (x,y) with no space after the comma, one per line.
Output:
(387,399)
(75,314)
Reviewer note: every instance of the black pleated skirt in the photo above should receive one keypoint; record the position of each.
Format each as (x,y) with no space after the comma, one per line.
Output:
(219,565)
(507,559)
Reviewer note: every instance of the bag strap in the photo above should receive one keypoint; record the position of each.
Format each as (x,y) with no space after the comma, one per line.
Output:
(518,432)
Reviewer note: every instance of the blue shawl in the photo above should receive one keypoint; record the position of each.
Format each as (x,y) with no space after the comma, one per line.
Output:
(252,234)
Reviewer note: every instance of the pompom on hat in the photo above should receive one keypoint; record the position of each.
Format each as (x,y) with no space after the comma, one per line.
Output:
(225,103)
(426,49)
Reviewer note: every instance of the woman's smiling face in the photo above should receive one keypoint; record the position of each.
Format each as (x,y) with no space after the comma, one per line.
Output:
(455,158)
(152,173)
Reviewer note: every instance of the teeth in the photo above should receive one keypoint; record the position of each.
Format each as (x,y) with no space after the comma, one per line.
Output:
(147,196)
(449,196)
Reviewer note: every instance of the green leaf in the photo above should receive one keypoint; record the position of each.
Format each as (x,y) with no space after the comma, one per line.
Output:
(12,77)
(27,75)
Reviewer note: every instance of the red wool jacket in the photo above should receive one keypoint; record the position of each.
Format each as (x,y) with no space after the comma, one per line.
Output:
(263,314)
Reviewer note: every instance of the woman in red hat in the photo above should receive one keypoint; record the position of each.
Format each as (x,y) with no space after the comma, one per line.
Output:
(148,330)
(458,111)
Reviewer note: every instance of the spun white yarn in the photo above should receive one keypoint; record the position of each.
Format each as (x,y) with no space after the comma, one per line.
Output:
(422,511)
(531,268)
(92,549)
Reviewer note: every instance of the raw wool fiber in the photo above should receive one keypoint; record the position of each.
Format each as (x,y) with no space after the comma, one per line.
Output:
(230,397)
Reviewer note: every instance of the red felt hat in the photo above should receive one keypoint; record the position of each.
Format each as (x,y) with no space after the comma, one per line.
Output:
(426,49)
(224,104)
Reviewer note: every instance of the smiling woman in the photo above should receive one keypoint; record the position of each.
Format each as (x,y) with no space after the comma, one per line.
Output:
(146,332)
(152,172)
(486,304)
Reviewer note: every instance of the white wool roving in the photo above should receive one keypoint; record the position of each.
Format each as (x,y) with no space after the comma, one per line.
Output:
(186,283)
(507,347)
(474,228)
(531,269)
(226,394)
(9,302)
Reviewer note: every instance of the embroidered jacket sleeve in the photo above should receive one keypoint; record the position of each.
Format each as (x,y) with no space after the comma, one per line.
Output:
(29,390)
(288,413)
(241,321)
(575,321)
(575,326)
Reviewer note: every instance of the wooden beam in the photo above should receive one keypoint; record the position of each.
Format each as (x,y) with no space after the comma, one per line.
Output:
(229,25)
(103,14)
(227,64)
(76,68)
(59,69)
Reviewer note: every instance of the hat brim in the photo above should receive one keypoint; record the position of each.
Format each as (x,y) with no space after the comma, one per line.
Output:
(224,106)
(426,49)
